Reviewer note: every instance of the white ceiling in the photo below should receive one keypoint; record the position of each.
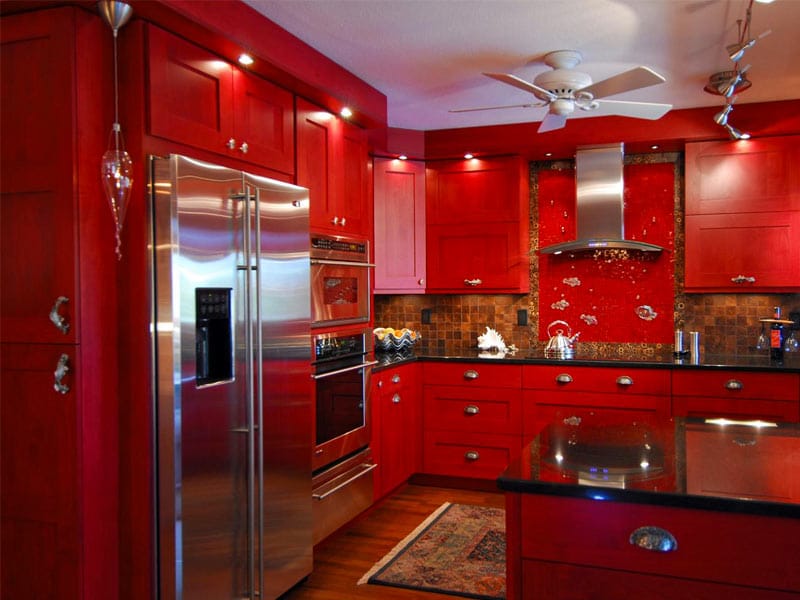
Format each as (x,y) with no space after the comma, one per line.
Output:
(427,56)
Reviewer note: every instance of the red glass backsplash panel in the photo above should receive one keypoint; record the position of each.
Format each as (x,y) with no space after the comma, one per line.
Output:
(602,294)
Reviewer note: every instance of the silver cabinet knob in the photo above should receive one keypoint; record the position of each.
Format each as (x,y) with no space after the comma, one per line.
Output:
(472,455)
(62,368)
(395,378)
(244,147)
(396,399)
(654,539)
(421,282)
(57,319)
(624,380)
(231,145)
(471,409)
(564,378)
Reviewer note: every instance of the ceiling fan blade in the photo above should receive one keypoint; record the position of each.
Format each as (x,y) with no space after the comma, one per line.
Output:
(634,79)
(461,110)
(551,122)
(637,110)
(521,84)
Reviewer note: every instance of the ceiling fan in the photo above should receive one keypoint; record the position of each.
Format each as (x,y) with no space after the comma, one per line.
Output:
(563,89)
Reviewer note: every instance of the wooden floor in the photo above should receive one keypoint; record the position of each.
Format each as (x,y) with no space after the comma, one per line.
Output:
(341,560)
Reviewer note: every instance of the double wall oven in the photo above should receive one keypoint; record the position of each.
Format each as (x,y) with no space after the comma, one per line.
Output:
(342,360)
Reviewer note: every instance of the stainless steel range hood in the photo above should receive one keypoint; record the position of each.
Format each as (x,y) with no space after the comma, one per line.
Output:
(599,207)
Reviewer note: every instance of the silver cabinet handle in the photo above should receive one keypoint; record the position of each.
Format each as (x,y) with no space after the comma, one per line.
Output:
(743,279)
(471,409)
(473,282)
(471,455)
(421,282)
(342,221)
(335,220)
(395,378)
(564,378)
(470,374)
(624,380)
(58,320)
(573,420)
(396,398)
(654,539)
(231,144)
(365,468)
(62,368)
(244,147)
(734,384)
(380,384)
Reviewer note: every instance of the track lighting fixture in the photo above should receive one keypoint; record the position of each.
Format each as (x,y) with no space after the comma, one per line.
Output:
(721,118)
(735,133)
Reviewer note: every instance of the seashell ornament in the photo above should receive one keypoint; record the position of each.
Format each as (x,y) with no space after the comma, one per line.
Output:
(491,340)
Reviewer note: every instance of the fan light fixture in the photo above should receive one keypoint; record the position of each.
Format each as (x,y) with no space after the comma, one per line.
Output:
(116,167)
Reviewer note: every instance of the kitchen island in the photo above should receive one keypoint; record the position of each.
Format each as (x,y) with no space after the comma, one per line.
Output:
(655,508)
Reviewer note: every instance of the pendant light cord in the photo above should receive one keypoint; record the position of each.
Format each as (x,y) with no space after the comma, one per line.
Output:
(116,96)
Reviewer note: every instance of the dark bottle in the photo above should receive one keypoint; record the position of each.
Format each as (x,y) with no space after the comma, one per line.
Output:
(776,338)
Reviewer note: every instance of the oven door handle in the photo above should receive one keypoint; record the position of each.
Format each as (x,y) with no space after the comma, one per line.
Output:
(340,263)
(345,370)
(365,468)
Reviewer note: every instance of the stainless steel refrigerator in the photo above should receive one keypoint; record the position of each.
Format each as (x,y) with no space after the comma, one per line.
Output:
(233,383)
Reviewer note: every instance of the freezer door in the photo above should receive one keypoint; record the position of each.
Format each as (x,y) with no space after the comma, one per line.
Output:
(284,398)
(203,410)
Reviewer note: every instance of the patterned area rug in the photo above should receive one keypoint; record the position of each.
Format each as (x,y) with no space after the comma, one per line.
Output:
(459,549)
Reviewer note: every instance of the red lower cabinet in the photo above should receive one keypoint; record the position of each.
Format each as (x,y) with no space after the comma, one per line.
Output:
(574,548)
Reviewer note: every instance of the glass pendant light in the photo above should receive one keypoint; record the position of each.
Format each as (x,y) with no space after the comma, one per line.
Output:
(116,168)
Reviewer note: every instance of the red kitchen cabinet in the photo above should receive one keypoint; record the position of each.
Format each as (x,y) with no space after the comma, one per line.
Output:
(58,383)
(477,215)
(471,418)
(399,204)
(575,548)
(333,163)
(743,215)
(736,395)
(196,98)
(397,430)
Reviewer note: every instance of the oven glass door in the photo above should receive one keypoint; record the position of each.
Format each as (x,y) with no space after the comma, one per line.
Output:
(339,293)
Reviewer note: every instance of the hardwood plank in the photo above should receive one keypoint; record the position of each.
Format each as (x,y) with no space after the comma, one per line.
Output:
(341,559)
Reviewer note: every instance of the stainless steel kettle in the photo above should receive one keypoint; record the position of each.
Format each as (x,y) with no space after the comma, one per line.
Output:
(560,345)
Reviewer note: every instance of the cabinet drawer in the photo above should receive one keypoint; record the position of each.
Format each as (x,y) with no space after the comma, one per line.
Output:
(540,408)
(616,380)
(713,546)
(472,374)
(736,408)
(457,454)
(463,408)
(737,384)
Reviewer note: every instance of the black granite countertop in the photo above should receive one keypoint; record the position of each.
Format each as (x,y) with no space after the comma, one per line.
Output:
(691,463)
(760,362)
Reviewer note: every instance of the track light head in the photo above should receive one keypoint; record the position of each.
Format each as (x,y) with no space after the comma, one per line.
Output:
(721,118)
(736,134)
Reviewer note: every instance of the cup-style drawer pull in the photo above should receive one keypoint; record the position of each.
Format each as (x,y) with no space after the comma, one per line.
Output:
(564,378)
(57,319)
(471,455)
(470,374)
(396,399)
(734,384)
(471,409)
(654,539)
(624,380)
(62,368)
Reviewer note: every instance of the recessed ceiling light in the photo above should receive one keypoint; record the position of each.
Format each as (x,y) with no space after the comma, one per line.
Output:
(548,154)
(346,112)
(654,147)
(245,60)
(403,157)
(468,156)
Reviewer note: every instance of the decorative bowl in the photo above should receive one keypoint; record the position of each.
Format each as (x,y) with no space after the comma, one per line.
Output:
(388,339)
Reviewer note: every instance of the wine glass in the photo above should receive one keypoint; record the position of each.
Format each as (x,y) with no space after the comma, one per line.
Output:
(791,343)
(763,340)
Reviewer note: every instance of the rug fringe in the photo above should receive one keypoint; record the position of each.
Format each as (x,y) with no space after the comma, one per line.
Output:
(403,543)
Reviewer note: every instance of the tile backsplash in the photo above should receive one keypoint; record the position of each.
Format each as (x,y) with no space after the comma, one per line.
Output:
(728,323)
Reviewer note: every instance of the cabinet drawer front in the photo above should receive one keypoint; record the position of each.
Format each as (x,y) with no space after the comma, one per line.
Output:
(728,548)
(736,408)
(482,456)
(460,408)
(540,409)
(616,380)
(472,374)
(737,384)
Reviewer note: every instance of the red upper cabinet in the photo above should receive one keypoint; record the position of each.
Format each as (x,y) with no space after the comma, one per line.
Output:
(477,226)
(198,99)
(743,215)
(332,161)
(399,201)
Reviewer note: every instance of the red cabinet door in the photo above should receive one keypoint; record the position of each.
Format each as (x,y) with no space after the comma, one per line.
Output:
(263,122)
(317,134)
(38,438)
(38,236)
(355,207)
(190,93)
(743,252)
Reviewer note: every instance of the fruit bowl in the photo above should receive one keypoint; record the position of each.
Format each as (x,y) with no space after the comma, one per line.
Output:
(388,339)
